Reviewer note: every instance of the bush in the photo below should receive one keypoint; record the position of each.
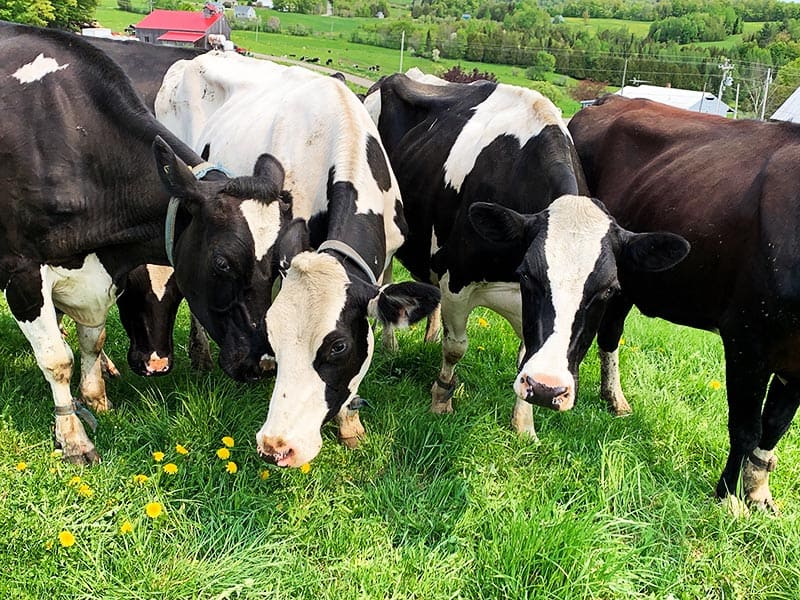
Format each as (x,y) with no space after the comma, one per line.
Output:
(457,75)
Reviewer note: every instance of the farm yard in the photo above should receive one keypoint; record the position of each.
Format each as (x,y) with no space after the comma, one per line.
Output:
(428,506)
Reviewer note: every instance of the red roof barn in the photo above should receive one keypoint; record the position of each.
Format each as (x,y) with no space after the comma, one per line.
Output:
(182,28)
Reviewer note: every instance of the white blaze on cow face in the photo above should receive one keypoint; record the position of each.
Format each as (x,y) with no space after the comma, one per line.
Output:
(305,311)
(573,243)
(159,277)
(264,222)
(36,70)
(509,110)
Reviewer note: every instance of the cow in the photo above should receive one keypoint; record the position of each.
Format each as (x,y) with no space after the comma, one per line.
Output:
(730,188)
(348,223)
(148,308)
(493,186)
(93,187)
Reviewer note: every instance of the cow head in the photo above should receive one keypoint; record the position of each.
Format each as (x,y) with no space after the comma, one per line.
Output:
(224,236)
(323,346)
(569,258)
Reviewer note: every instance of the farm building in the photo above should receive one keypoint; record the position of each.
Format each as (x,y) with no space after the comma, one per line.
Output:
(704,102)
(183,28)
(789,110)
(244,12)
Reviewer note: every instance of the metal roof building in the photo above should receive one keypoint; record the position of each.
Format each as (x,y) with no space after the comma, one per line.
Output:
(182,28)
(704,102)
(789,110)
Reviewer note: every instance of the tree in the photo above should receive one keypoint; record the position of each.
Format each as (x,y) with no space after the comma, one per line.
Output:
(543,63)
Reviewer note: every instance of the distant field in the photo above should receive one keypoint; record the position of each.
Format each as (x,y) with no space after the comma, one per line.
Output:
(638,28)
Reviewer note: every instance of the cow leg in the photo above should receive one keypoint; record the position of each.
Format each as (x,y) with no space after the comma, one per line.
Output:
(522,415)
(199,348)
(388,335)
(351,431)
(40,327)
(746,383)
(433,325)
(455,311)
(92,386)
(109,368)
(780,407)
(608,336)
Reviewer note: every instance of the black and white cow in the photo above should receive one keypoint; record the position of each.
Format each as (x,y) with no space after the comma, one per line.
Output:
(85,203)
(457,147)
(238,108)
(731,188)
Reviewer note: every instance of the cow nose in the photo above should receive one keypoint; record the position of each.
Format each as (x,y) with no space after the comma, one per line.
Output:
(157,365)
(547,390)
(275,450)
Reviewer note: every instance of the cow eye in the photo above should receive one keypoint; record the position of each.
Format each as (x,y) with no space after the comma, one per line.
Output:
(221,264)
(338,347)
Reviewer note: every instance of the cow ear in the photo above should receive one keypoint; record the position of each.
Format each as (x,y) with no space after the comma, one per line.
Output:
(292,241)
(654,252)
(269,167)
(177,178)
(502,227)
(401,304)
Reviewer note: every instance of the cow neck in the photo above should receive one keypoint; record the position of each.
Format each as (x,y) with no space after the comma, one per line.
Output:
(199,172)
(347,251)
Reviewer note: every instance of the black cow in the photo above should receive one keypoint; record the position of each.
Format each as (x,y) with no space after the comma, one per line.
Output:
(731,188)
(84,204)
(456,147)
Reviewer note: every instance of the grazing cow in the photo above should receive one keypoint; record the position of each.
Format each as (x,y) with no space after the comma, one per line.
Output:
(89,205)
(149,305)
(352,223)
(731,189)
(456,147)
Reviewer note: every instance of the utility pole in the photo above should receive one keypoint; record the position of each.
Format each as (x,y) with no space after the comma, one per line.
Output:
(725,81)
(402,47)
(767,81)
(624,72)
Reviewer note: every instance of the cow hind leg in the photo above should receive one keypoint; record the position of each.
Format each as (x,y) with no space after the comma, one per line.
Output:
(455,311)
(199,348)
(351,431)
(388,334)
(779,410)
(92,386)
(608,337)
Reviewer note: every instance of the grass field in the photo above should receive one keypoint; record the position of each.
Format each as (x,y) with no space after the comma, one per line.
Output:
(428,507)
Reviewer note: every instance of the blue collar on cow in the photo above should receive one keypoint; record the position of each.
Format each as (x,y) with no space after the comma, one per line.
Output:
(199,172)
(347,250)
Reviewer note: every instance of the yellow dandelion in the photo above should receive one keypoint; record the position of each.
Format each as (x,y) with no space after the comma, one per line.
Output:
(74,480)
(181,449)
(140,478)
(223,454)
(714,384)
(52,470)
(153,509)
(66,539)
(170,468)
(85,491)
(48,544)
(264,474)
(305,468)
(227,441)
(481,348)
(231,467)
(22,465)
(621,341)
(57,453)
(158,456)
(126,527)
(483,322)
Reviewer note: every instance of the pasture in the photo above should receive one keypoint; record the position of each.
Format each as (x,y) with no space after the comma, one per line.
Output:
(428,507)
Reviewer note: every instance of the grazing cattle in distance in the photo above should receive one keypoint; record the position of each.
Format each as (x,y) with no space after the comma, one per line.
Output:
(333,257)
(731,188)
(149,304)
(92,203)
(457,147)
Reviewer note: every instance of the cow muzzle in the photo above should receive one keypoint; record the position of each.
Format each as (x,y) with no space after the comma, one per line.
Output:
(279,451)
(546,390)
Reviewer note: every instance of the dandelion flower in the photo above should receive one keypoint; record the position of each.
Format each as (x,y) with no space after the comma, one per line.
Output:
(153,509)
(621,341)
(483,322)
(227,441)
(140,479)
(158,456)
(481,348)
(264,474)
(66,539)
(85,491)
(714,384)
(170,468)
(305,468)
(74,480)
(22,465)
(181,449)
(223,454)
(126,527)
(231,467)
(48,544)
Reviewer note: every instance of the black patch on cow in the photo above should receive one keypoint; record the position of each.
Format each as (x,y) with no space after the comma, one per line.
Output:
(377,164)
(206,152)
(24,294)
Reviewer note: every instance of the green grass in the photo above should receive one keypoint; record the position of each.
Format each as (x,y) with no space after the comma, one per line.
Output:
(429,506)
(638,28)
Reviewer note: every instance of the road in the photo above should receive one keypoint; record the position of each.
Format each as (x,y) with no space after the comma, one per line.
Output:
(357,79)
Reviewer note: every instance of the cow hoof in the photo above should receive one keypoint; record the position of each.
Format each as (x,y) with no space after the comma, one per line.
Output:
(202,363)
(351,442)
(82,457)
(620,409)
(101,404)
(108,367)
(442,396)
(736,507)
